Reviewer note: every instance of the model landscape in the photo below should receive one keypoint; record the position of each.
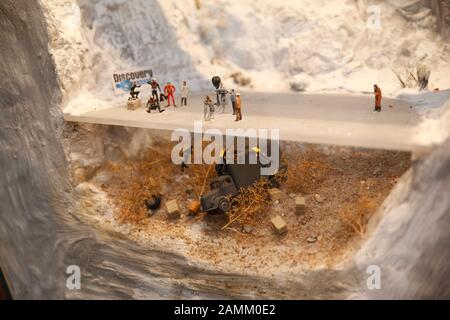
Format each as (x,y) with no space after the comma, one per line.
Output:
(89,180)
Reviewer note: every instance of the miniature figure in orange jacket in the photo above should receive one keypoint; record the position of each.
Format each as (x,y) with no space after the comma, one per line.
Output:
(169,91)
(378,97)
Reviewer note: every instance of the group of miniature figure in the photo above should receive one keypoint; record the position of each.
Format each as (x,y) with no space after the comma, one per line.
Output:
(158,95)
(210,107)
(168,93)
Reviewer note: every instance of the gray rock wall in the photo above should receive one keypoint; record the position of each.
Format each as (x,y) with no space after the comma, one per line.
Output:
(441,9)
(33,175)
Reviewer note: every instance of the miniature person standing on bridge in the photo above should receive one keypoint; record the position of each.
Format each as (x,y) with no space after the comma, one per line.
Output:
(169,91)
(208,109)
(187,153)
(378,97)
(155,87)
(184,93)
(233,100)
(238,107)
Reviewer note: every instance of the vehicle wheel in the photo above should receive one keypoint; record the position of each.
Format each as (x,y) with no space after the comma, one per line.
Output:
(224,205)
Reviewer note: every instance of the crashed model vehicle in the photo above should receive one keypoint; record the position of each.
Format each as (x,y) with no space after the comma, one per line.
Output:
(231,178)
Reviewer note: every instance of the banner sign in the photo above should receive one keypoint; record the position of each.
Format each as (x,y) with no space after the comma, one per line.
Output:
(122,81)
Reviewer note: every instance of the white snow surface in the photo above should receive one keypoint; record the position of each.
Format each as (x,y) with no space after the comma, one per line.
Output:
(322,45)
(435,110)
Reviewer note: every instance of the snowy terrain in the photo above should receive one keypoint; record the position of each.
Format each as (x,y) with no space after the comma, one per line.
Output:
(434,107)
(316,46)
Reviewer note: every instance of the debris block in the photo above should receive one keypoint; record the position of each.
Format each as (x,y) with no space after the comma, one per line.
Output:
(319,198)
(275,194)
(248,228)
(172,209)
(279,224)
(299,205)
(134,104)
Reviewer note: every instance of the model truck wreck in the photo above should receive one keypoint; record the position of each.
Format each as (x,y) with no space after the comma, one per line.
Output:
(232,177)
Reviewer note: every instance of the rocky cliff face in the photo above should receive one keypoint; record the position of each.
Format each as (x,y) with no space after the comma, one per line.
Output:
(410,242)
(441,9)
(34,180)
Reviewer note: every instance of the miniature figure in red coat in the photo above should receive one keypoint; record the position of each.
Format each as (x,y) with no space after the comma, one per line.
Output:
(169,91)
(378,97)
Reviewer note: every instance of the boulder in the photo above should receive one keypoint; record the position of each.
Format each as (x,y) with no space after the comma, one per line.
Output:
(279,224)
(173,210)
(275,194)
(134,104)
(300,205)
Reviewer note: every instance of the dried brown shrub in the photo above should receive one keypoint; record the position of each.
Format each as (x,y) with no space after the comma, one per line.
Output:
(306,171)
(248,206)
(356,214)
(136,180)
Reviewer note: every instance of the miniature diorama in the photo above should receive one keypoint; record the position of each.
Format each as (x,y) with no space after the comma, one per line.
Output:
(185,150)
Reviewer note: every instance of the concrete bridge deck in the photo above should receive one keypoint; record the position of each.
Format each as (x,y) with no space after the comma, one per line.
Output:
(322,119)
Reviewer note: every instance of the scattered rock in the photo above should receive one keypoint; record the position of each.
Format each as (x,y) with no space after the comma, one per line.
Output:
(240,79)
(83,174)
(312,239)
(377,172)
(319,198)
(279,224)
(299,83)
(173,209)
(299,205)
(292,195)
(248,228)
(275,194)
